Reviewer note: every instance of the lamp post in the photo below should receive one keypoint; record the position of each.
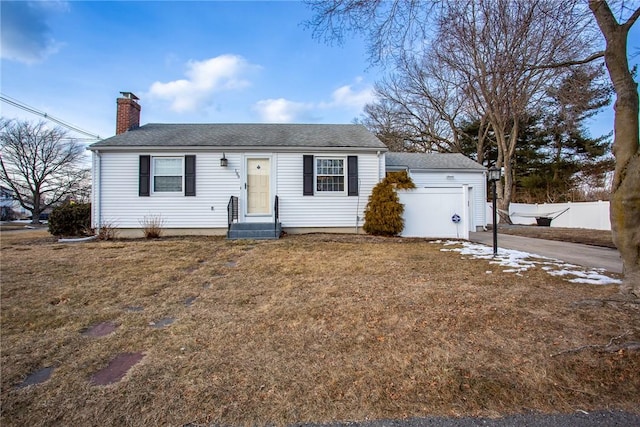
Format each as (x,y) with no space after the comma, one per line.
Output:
(494,176)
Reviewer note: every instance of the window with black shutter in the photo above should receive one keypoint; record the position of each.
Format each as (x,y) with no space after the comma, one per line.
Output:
(167,175)
(307,175)
(189,175)
(327,175)
(144,176)
(352,170)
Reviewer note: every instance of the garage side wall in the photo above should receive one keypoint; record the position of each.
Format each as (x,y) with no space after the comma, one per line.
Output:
(475,180)
(435,212)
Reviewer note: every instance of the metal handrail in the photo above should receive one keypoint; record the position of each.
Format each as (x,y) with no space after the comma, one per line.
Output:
(232,211)
(276,214)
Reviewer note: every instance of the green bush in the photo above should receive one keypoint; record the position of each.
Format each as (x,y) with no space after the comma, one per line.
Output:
(71,219)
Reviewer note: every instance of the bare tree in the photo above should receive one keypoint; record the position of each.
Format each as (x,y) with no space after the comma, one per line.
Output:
(540,36)
(41,165)
(384,119)
(489,43)
(625,197)
(427,102)
(480,49)
(423,98)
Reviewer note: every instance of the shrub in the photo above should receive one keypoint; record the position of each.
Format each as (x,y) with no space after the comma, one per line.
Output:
(383,214)
(400,179)
(108,231)
(70,219)
(152,226)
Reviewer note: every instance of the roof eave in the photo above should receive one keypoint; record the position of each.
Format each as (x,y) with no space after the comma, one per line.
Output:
(231,149)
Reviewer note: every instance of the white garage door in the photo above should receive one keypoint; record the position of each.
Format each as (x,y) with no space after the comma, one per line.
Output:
(428,212)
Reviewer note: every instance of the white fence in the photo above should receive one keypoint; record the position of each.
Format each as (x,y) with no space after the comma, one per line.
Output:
(592,215)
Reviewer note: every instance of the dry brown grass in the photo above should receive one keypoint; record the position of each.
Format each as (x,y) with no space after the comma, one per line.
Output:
(307,328)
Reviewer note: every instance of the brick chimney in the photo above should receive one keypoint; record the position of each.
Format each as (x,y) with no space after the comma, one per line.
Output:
(128,115)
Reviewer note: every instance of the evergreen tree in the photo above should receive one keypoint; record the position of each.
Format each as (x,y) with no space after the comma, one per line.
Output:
(383,214)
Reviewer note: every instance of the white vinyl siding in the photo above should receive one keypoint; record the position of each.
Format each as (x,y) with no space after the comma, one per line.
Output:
(122,207)
(475,180)
(330,210)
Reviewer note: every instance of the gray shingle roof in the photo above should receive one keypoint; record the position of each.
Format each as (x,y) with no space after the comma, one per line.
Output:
(431,161)
(245,135)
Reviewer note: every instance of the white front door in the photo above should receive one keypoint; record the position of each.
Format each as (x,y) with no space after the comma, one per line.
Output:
(258,186)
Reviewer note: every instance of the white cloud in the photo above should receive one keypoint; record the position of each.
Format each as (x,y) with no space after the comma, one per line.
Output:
(25,34)
(282,110)
(349,98)
(203,80)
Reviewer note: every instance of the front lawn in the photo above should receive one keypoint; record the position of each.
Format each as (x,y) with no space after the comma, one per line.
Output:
(312,328)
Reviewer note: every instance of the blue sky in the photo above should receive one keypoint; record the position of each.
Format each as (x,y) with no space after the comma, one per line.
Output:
(187,61)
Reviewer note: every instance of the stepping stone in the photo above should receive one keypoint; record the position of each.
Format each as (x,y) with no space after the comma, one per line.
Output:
(231,264)
(134,308)
(189,301)
(36,377)
(99,330)
(116,369)
(165,321)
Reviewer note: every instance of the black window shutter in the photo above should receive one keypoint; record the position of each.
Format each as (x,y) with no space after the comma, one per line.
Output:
(189,175)
(307,175)
(352,169)
(145,176)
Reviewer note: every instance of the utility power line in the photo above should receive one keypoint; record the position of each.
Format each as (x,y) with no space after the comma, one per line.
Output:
(12,101)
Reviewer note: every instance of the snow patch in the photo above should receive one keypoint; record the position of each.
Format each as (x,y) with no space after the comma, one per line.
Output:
(518,262)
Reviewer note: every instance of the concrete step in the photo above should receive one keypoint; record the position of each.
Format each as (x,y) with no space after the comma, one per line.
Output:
(264,230)
(253,226)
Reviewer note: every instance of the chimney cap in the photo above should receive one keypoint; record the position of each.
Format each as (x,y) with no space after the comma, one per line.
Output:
(129,95)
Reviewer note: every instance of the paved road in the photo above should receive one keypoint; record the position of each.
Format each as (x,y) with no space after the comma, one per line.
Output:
(577,419)
(574,253)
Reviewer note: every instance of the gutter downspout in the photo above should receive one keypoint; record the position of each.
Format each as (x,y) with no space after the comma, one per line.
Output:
(97,187)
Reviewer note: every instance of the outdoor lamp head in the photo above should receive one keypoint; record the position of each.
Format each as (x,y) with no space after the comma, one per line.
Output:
(494,173)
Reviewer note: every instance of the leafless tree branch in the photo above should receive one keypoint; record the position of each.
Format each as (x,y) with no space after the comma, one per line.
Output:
(40,165)
(566,64)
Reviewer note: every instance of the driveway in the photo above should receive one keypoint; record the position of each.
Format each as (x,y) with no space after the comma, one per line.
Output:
(579,418)
(574,253)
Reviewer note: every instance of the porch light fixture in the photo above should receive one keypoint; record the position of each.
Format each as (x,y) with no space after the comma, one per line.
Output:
(223,161)
(494,174)
(494,177)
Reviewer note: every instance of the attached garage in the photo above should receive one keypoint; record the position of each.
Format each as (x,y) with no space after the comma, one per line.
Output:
(450,195)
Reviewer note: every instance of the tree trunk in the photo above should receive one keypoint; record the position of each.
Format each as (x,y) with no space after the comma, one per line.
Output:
(507,194)
(35,212)
(625,197)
